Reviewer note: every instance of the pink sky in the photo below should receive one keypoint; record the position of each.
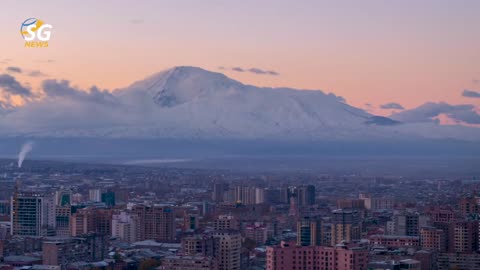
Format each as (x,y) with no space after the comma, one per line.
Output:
(375,52)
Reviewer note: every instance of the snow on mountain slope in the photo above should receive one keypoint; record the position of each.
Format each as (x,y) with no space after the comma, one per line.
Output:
(189,102)
(189,99)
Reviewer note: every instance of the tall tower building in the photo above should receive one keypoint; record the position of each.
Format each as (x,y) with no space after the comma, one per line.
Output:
(190,222)
(219,189)
(95,195)
(463,237)
(293,210)
(248,195)
(63,197)
(309,231)
(154,222)
(225,222)
(410,223)
(346,226)
(469,206)
(200,245)
(108,198)
(90,219)
(230,244)
(82,222)
(124,226)
(305,195)
(33,214)
(62,219)
(433,238)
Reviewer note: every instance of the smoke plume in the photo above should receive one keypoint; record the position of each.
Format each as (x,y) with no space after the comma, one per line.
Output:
(26,148)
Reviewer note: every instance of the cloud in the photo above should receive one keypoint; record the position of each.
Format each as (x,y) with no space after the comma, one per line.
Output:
(14,69)
(238,69)
(36,73)
(392,105)
(63,89)
(255,70)
(31,73)
(221,67)
(69,109)
(5,60)
(470,94)
(47,61)
(463,113)
(11,86)
(476,81)
(466,116)
(262,72)
(136,21)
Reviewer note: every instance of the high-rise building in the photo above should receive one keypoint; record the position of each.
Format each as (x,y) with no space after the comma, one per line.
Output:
(219,189)
(248,195)
(108,198)
(259,195)
(346,226)
(438,214)
(463,237)
(305,195)
(287,256)
(82,222)
(103,221)
(200,245)
(91,219)
(351,204)
(229,249)
(257,232)
(33,214)
(374,203)
(309,231)
(276,195)
(124,226)
(427,259)
(154,222)
(63,197)
(410,223)
(95,195)
(433,239)
(5,210)
(190,222)
(62,219)
(449,261)
(469,206)
(225,222)
(89,248)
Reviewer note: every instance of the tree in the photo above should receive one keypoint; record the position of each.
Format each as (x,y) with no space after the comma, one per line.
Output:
(149,264)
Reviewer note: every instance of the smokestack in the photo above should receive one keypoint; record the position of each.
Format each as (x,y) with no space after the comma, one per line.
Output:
(26,148)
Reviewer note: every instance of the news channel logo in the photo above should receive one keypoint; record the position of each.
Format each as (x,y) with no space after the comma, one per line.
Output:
(36,33)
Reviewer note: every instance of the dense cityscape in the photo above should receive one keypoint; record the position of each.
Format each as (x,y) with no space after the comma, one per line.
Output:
(56,215)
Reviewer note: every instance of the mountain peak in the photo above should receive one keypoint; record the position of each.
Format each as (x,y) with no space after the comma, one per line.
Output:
(181,84)
(183,72)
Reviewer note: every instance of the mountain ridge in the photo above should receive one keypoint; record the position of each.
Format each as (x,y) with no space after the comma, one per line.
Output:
(190,102)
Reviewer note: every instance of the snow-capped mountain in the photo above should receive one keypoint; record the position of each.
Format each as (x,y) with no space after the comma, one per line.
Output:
(189,102)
